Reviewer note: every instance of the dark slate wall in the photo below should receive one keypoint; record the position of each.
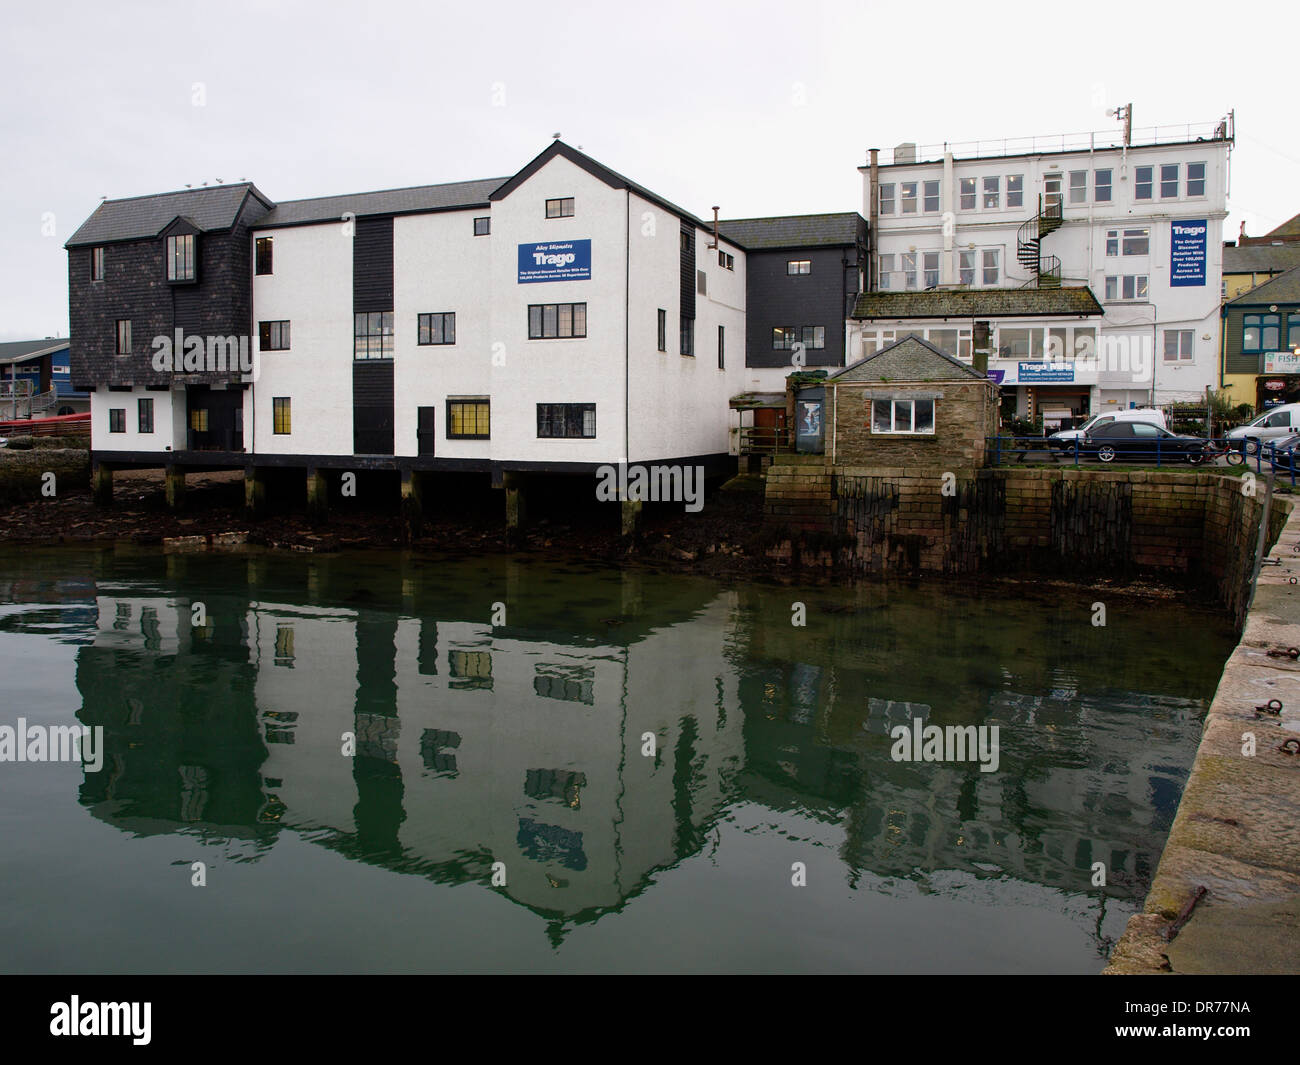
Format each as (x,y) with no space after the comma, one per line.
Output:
(372,265)
(775,298)
(688,274)
(135,286)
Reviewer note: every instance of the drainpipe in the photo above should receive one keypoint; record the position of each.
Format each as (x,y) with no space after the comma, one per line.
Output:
(873,214)
(627,348)
(1155,354)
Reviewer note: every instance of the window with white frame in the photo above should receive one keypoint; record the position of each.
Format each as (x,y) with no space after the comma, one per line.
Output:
(909,269)
(930,190)
(991,266)
(1195,179)
(1078,186)
(1121,287)
(1178,345)
(992,193)
(886,271)
(909,197)
(1168,181)
(910,416)
(968,194)
(966,267)
(1135,241)
(1143,180)
(887,198)
(930,266)
(955,342)
(798,266)
(1015,190)
(1020,343)
(1102,185)
(874,340)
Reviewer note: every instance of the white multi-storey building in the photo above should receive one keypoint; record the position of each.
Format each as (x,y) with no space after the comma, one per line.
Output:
(559,320)
(1001,247)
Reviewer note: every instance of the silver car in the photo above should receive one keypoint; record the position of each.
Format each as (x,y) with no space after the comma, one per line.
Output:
(1272,424)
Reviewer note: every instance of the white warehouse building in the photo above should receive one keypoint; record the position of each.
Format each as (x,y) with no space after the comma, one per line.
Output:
(1085,269)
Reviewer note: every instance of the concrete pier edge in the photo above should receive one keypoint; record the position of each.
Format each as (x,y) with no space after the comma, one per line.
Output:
(1237,830)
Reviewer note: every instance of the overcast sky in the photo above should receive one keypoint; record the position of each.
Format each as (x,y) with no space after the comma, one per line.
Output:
(762,108)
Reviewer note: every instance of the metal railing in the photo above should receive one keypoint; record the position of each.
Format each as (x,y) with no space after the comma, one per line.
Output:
(765,440)
(1062,142)
(1160,451)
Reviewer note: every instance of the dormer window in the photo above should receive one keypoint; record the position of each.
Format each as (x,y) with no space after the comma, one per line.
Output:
(180,257)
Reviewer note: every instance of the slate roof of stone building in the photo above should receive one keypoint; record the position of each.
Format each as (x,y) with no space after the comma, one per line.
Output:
(977,303)
(140,217)
(794,231)
(908,360)
(1260,258)
(412,200)
(1285,288)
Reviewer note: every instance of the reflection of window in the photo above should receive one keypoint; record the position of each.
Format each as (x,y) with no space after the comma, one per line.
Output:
(902,416)
(436,746)
(280,725)
(571,684)
(549,843)
(284,645)
(122,621)
(469,669)
(556,784)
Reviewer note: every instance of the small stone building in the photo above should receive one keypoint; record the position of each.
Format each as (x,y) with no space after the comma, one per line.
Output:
(909,405)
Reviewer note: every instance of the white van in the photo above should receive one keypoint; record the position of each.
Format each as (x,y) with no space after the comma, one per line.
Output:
(1067,437)
(1271,425)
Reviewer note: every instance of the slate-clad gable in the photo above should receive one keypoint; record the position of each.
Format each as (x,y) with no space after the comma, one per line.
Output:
(142,217)
(796,231)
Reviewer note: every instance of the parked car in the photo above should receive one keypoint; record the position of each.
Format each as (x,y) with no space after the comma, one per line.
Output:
(1066,437)
(1127,441)
(1284,453)
(1272,424)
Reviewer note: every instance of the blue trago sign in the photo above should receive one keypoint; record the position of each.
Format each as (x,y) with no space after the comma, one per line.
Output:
(555,260)
(1187,254)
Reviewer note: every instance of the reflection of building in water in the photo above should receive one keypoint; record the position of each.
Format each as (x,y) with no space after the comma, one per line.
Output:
(470,744)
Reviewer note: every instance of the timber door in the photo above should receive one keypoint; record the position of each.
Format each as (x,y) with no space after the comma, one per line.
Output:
(424,430)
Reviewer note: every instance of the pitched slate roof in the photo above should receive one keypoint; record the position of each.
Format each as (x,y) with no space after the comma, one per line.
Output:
(908,360)
(977,303)
(794,231)
(1260,258)
(601,172)
(20,350)
(140,217)
(1285,288)
(416,198)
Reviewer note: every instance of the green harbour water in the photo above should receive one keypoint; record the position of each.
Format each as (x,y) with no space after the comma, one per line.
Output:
(355,745)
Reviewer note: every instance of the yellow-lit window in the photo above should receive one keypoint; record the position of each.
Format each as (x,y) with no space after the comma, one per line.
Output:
(469,419)
(199,420)
(282,419)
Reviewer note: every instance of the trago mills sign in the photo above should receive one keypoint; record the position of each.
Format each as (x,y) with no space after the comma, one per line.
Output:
(555,260)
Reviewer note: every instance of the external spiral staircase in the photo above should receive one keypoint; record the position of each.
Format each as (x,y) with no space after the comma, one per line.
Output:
(1046,269)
